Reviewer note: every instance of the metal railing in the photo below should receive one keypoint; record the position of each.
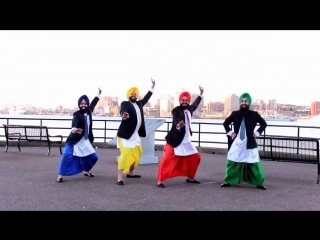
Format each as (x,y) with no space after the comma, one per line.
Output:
(199,129)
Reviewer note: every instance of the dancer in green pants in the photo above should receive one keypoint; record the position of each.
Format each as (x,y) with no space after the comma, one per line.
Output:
(243,160)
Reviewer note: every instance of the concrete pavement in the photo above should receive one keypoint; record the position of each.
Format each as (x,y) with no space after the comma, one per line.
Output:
(28,182)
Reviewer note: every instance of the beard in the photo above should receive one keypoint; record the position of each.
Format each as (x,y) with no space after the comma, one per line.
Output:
(83,109)
(184,105)
(244,108)
(133,99)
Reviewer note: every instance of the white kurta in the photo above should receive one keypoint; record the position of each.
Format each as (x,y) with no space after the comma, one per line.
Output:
(186,147)
(239,153)
(135,138)
(83,147)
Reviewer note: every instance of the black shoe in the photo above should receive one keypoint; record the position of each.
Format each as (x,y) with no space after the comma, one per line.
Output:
(194,181)
(120,183)
(161,185)
(89,174)
(262,187)
(60,179)
(133,176)
(225,185)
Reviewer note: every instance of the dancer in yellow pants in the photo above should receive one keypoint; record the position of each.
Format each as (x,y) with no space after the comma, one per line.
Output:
(131,128)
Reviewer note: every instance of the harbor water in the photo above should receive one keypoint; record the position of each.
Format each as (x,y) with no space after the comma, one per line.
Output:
(216,132)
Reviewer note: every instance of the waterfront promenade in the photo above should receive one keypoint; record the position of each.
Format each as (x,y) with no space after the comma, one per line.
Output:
(28,182)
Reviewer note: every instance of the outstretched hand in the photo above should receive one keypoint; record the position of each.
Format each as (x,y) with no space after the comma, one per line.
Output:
(201,89)
(181,124)
(78,130)
(153,82)
(125,115)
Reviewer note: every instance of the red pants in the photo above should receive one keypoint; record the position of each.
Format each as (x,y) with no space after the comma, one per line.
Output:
(173,166)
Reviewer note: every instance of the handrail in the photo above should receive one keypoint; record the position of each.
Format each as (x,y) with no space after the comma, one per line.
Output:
(197,125)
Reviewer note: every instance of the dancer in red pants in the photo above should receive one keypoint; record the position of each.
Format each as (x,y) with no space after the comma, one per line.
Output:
(181,158)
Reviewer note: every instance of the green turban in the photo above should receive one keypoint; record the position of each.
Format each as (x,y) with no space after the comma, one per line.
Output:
(247,96)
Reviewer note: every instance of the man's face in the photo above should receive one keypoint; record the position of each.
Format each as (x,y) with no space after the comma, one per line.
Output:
(133,97)
(244,103)
(83,106)
(184,103)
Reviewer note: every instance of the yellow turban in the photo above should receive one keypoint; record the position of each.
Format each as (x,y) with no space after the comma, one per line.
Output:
(131,90)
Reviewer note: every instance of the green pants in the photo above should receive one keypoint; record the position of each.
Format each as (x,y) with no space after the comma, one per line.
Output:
(251,173)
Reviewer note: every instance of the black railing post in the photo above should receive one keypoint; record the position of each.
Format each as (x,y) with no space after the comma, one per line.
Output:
(199,124)
(271,148)
(318,159)
(41,122)
(298,140)
(264,140)
(105,131)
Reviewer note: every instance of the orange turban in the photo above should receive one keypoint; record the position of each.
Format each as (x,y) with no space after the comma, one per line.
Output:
(131,90)
(185,94)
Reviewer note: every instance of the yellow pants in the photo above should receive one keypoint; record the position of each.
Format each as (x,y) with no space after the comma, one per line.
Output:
(128,156)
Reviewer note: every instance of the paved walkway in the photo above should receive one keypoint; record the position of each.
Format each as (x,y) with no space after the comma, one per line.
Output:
(28,182)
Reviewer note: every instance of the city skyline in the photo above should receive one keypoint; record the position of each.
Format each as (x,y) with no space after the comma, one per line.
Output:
(174,97)
(53,68)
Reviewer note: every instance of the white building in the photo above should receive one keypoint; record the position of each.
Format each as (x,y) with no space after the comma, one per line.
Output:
(166,106)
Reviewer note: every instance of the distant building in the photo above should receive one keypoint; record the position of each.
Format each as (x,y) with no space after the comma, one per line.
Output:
(315,108)
(157,105)
(166,106)
(261,105)
(272,104)
(151,112)
(231,103)
(215,106)
(106,102)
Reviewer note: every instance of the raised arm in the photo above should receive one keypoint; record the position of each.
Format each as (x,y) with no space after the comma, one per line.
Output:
(95,101)
(146,98)
(197,101)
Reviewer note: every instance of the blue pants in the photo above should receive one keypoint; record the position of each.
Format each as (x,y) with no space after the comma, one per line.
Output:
(72,165)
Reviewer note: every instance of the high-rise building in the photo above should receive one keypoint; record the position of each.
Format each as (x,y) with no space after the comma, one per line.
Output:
(157,105)
(231,103)
(106,102)
(166,106)
(315,108)
(261,105)
(272,104)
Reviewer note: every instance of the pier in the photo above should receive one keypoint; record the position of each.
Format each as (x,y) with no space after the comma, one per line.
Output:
(29,179)
(28,182)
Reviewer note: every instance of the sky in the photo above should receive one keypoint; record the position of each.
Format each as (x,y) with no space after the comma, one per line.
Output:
(48,68)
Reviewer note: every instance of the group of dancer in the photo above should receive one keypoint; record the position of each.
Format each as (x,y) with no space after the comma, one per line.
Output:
(181,158)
